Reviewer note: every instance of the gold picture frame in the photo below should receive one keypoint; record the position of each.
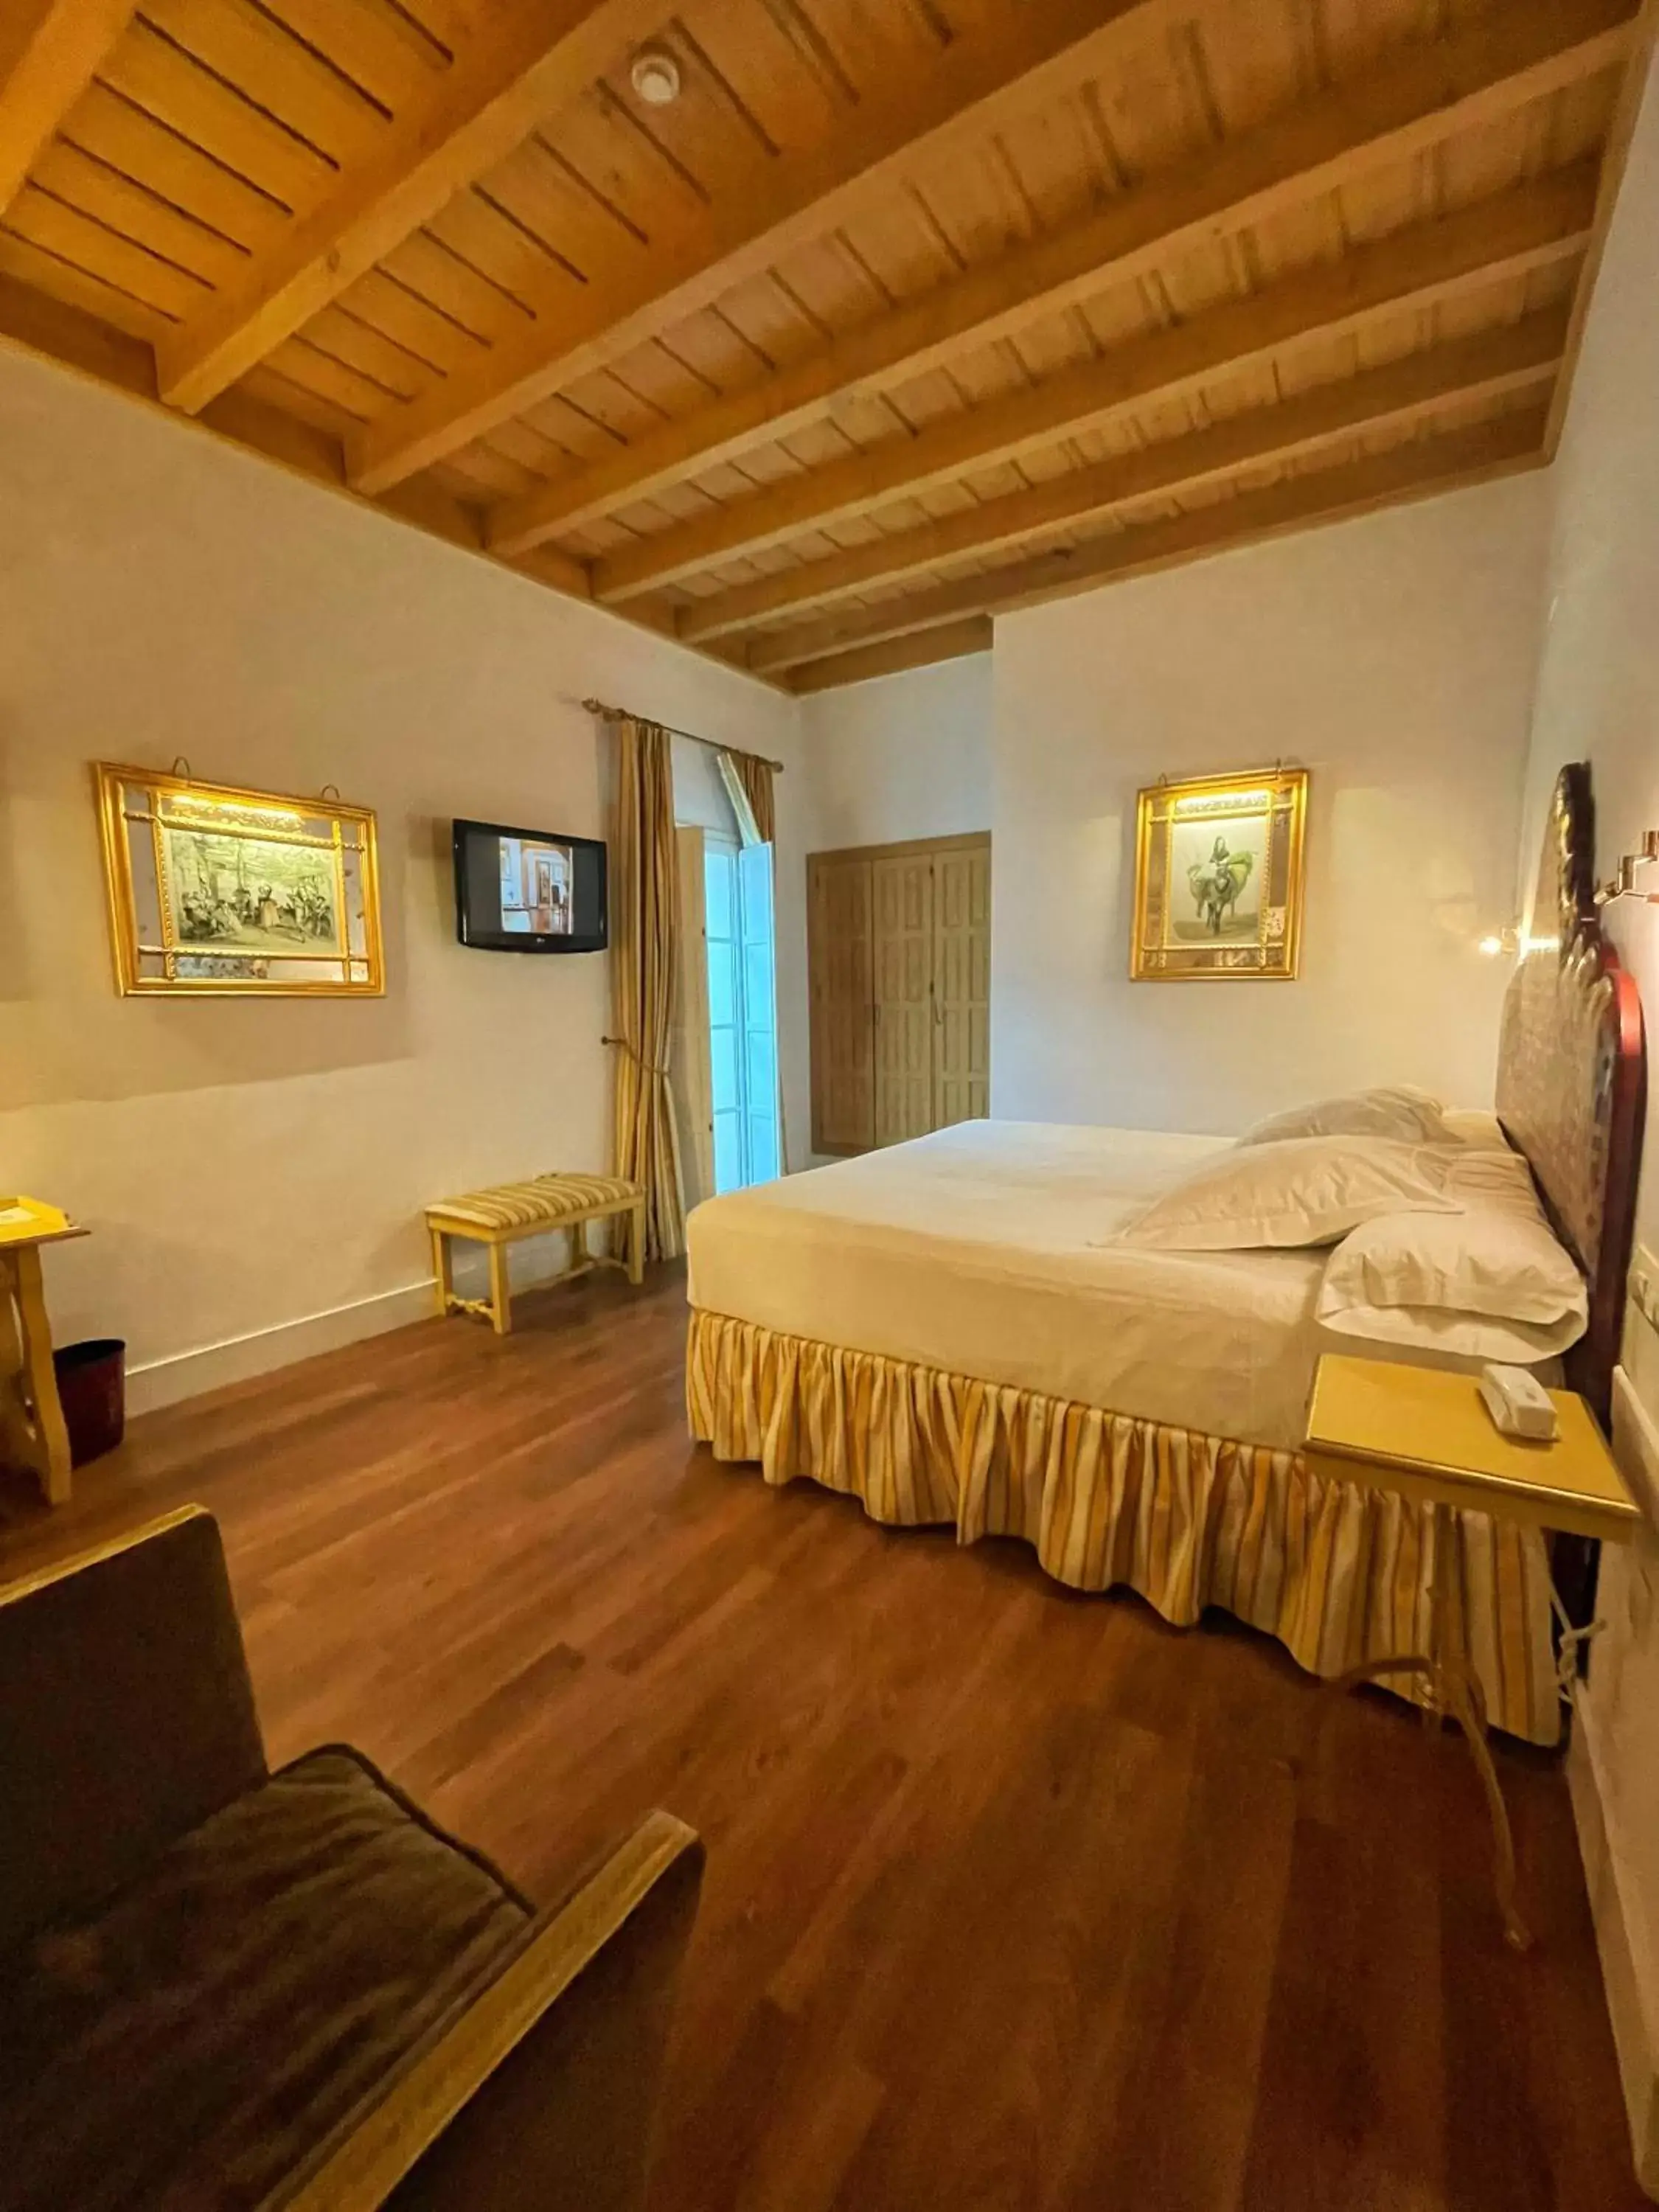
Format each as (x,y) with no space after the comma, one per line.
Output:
(218,892)
(1218,878)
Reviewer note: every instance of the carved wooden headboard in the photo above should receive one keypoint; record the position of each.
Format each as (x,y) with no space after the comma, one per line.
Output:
(1572,1076)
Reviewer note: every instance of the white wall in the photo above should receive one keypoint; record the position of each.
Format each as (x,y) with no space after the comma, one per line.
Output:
(905,756)
(1598,699)
(1392,657)
(245,1165)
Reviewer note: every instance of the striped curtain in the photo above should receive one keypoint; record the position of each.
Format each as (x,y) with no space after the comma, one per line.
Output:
(644,911)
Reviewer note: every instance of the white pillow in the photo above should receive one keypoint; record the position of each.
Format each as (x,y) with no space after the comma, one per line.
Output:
(1301,1190)
(1432,1330)
(1476,1126)
(1498,1260)
(1494,1177)
(1409,1116)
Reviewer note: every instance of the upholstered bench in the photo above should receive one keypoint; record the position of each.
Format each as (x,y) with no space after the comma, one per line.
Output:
(510,1211)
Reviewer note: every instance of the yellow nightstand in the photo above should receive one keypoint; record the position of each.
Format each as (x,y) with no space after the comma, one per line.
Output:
(1426,1434)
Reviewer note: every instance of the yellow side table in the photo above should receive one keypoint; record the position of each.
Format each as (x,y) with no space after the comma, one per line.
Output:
(32,1431)
(1427,1434)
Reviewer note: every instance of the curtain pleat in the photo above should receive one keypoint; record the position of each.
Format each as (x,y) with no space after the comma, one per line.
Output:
(644,911)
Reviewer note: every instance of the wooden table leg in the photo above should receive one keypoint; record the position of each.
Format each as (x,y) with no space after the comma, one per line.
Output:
(34,1426)
(1449,1676)
(1466,1705)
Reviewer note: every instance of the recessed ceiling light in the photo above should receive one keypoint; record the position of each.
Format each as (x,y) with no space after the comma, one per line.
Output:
(656,76)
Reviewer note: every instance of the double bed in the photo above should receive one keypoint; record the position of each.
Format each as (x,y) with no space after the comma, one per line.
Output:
(951,1331)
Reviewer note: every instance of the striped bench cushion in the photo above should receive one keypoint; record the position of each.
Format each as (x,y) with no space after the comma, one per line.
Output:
(542,1201)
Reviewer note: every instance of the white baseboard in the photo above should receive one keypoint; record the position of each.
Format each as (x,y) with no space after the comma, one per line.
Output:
(187,1373)
(1634,2036)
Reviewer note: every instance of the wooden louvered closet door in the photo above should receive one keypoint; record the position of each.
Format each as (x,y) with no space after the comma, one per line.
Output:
(840,1003)
(962,985)
(899,958)
(904,935)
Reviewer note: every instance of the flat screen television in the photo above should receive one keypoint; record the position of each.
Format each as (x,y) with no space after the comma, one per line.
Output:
(528,890)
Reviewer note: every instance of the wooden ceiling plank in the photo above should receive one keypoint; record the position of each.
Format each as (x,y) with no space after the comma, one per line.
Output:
(1538,223)
(373,42)
(55,278)
(521,64)
(951,641)
(1428,93)
(133,143)
(159,78)
(1413,471)
(466,292)
(1519,358)
(901,122)
(150,221)
(83,242)
(85,339)
(260,58)
(49,54)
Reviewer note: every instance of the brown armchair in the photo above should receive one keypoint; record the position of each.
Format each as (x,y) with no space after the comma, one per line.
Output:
(221,1987)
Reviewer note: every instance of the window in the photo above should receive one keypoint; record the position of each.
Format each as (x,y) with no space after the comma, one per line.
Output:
(743,1048)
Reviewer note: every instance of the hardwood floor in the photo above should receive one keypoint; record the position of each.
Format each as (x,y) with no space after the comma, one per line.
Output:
(1015,1898)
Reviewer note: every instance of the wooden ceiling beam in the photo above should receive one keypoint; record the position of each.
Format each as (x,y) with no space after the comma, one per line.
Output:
(1426,93)
(1413,471)
(520,64)
(1492,365)
(49,51)
(977,82)
(1527,228)
(951,641)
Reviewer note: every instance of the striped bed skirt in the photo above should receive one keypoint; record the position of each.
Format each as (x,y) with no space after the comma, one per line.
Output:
(1338,1572)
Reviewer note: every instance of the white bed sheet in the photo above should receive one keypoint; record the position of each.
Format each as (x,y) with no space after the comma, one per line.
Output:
(985,1249)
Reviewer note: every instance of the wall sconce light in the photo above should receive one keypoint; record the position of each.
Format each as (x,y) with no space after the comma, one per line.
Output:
(1506,940)
(1625,884)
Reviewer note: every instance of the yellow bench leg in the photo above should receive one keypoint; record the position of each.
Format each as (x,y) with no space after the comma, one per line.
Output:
(442,1272)
(501,1294)
(636,1242)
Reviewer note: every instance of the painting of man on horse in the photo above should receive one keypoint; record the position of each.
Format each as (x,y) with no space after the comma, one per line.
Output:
(1216,884)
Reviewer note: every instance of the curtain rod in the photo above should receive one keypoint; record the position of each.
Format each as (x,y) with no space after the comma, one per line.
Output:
(622,715)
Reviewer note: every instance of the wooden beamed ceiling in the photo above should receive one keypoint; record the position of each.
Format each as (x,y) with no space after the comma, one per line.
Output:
(903,313)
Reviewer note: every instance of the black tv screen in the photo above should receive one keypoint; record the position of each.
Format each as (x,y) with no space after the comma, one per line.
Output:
(528,890)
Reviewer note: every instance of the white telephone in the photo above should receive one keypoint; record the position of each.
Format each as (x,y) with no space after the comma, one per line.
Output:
(1519,1402)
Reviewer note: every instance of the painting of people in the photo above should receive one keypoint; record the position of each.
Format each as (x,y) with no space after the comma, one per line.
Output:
(214,889)
(252,894)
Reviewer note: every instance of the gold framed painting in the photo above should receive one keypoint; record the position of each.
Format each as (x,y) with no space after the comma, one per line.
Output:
(1218,878)
(219,892)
